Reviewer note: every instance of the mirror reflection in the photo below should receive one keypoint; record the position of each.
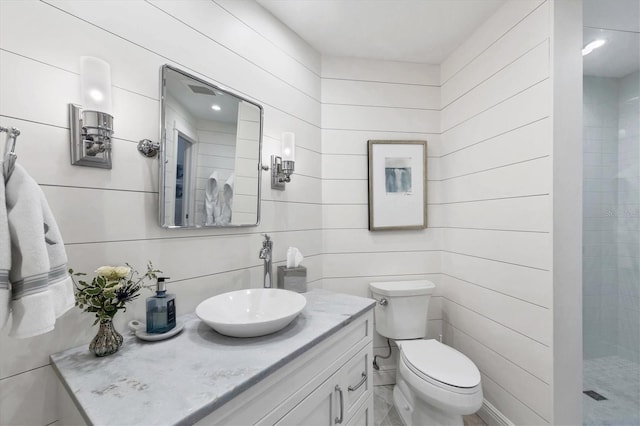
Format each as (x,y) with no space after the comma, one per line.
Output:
(210,163)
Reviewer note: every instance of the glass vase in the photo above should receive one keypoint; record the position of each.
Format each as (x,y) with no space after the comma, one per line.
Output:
(107,341)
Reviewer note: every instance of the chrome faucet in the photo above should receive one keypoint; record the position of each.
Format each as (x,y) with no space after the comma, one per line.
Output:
(265,253)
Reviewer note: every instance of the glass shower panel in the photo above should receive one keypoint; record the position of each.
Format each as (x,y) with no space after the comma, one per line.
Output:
(611,233)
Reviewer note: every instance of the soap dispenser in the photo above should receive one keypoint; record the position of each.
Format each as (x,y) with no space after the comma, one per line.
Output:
(161,309)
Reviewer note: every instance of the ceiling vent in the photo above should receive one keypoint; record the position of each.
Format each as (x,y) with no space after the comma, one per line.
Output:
(201,90)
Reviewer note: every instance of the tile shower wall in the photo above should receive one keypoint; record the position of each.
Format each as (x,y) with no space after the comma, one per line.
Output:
(110,216)
(600,267)
(363,100)
(611,211)
(628,215)
(495,185)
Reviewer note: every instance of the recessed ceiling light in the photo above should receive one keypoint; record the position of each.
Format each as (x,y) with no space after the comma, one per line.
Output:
(593,45)
(215,107)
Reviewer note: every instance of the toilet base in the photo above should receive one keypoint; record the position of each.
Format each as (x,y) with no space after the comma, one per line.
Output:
(415,412)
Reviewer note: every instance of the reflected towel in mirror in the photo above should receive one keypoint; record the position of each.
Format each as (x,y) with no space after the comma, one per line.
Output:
(211,200)
(227,205)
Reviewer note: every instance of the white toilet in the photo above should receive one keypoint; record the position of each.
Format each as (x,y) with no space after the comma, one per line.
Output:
(435,384)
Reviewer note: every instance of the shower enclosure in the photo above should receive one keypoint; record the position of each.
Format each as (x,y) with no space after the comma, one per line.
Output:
(611,230)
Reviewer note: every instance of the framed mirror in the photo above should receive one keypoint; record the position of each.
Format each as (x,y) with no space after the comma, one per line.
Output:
(211,141)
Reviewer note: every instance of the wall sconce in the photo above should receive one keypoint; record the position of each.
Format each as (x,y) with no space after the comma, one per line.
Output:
(282,167)
(91,123)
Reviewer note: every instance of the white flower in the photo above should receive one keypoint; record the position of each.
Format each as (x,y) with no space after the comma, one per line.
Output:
(113,272)
(122,271)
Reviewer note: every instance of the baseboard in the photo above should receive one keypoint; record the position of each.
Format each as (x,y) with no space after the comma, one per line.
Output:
(492,416)
(384,376)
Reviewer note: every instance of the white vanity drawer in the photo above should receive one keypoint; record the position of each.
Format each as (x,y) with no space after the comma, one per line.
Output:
(356,380)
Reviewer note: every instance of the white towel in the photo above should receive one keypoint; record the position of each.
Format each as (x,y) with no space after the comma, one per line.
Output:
(42,289)
(227,201)
(211,200)
(5,258)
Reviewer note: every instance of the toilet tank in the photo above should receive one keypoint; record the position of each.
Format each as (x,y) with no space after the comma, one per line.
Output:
(404,315)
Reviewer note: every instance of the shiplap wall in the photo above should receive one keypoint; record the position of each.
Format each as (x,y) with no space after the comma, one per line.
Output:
(362,100)
(110,216)
(495,172)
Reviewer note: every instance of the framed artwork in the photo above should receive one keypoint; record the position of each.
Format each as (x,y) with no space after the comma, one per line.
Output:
(397,185)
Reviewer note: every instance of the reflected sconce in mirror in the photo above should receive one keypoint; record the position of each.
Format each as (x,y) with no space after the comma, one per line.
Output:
(282,166)
(91,124)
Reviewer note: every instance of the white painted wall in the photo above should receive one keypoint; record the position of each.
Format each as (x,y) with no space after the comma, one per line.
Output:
(495,171)
(110,216)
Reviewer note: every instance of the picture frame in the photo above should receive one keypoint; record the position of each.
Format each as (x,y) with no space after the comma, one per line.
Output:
(397,184)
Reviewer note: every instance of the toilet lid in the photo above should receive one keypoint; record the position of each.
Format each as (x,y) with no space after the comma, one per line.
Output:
(440,362)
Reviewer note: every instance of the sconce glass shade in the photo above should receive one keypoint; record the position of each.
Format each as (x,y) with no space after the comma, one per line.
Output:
(288,146)
(282,167)
(91,124)
(95,84)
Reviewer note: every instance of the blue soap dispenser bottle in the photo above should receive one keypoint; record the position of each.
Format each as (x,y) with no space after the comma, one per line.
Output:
(161,309)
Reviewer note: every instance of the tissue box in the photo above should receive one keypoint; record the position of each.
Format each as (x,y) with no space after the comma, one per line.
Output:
(294,279)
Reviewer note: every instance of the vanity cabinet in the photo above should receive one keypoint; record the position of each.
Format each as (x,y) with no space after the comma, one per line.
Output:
(337,399)
(331,384)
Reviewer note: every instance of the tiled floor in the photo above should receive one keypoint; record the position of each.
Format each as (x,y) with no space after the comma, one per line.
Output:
(385,414)
(618,380)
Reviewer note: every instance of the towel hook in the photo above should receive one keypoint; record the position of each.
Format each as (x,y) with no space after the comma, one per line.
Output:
(9,151)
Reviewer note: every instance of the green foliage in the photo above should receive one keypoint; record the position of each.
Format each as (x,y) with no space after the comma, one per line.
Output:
(111,289)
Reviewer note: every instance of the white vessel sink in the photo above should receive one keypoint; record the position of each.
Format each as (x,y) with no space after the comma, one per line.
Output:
(251,313)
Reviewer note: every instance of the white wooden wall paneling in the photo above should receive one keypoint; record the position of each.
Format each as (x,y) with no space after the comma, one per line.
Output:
(185,47)
(497,26)
(527,353)
(528,319)
(522,282)
(271,29)
(520,248)
(510,214)
(524,72)
(523,108)
(511,377)
(510,406)
(41,405)
(214,21)
(380,71)
(350,117)
(352,92)
(354,142)
(523,143)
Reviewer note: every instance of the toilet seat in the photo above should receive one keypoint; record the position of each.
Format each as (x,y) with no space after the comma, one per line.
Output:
(440,365)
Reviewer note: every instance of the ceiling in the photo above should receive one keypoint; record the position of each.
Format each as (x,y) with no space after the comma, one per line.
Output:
(620,55)
(617,22)
(423,31)
(427,31)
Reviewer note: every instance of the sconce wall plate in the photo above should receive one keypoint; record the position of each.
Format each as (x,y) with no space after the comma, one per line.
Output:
(277,181)
(90,137)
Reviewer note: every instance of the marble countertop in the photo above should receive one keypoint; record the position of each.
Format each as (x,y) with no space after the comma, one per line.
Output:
(185,378)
